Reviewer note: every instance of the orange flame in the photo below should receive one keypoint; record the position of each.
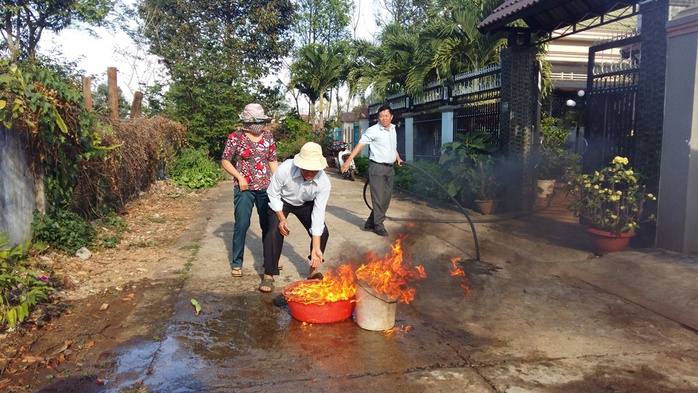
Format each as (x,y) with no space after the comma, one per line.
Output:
(333,287)
(459,272)
(391,275)
(398,329)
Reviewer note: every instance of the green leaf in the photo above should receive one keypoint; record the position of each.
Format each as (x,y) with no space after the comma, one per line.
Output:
(196,305)
(59,120)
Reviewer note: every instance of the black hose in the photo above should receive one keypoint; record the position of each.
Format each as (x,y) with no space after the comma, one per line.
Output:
(462,210)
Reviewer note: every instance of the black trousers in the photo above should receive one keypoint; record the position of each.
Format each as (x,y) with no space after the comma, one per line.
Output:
(274,241)
(381,178)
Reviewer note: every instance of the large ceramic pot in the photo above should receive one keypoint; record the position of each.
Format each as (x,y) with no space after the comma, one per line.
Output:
(486,206)
(605,242)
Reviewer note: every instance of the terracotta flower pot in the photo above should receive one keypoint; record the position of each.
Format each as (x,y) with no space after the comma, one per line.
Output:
(487,206)
(605,242)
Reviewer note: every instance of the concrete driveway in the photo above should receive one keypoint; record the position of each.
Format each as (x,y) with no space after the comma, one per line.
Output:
(541,314)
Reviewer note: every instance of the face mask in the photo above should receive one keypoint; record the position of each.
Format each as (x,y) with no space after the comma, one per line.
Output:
(254,129)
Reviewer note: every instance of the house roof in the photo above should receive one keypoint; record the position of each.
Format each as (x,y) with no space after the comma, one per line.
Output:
(545,16)
(350,117)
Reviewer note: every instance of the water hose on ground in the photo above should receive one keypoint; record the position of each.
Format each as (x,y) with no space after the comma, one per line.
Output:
(460,208)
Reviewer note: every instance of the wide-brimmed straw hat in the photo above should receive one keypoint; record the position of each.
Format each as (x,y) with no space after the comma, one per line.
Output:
(254,113)
(310,157)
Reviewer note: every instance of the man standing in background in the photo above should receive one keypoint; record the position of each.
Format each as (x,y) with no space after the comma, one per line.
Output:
(382,141)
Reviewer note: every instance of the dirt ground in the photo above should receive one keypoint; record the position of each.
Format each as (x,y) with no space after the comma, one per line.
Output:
(70,337)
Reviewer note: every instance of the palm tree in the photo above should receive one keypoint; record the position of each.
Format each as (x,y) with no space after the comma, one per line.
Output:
(384,69)
(451,44)
(316,70)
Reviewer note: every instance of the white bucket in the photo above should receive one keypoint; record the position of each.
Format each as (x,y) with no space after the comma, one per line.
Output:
(374,311)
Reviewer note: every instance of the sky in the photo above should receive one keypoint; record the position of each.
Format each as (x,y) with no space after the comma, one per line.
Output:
(94,55)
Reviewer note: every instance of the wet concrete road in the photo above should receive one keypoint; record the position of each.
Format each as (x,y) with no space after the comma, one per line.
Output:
(528,325)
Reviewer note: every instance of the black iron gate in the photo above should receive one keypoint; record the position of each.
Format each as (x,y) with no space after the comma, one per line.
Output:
(611,104)
(478,94)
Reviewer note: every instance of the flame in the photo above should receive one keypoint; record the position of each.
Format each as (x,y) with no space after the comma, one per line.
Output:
(398,329)
(334,286)
(459,272)
(391,275)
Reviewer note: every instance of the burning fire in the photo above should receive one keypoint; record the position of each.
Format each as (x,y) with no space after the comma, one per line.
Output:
(333,287)
(391,275)
(398,329)
(459,272)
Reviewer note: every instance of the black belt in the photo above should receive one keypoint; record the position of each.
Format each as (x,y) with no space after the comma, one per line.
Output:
(381,163)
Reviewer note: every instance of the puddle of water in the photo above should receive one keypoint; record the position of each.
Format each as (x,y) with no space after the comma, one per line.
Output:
(245,341)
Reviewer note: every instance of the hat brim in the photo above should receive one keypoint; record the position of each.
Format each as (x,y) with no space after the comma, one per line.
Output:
(310,165)
(255,120)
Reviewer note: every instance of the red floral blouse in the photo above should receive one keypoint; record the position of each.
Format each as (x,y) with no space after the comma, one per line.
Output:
(251,158)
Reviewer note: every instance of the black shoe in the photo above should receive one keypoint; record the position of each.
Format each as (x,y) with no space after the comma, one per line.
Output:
(368,227)
(380,232)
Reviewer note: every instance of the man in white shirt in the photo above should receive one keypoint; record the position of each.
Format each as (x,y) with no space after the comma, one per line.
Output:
(382,140)
(300,187)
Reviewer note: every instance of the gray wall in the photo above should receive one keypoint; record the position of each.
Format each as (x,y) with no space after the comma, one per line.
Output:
(18,189)
(677,212)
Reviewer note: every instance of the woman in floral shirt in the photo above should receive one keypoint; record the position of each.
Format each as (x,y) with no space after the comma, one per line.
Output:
(253,152)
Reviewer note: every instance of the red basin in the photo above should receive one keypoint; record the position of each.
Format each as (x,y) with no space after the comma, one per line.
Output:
(318,313)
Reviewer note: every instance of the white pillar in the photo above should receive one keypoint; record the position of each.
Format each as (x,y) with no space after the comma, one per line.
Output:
(446,124)
(363,126)
(409,138)
(677,209)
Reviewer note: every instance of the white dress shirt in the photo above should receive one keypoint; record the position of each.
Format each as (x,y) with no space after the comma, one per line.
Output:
(383,143)
(287,185)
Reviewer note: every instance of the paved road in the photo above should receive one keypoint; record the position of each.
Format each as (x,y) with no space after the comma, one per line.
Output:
(542,314)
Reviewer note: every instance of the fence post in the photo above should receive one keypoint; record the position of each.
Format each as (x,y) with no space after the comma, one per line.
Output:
(87,92)
(112,95)
(136,105)
(518,120)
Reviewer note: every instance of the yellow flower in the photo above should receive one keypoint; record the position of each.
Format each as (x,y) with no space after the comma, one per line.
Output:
(613,216)
(620,160)
(596,186)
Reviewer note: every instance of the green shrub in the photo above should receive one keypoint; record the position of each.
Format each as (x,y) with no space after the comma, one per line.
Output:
(288,149)
(361,165)
(20,287)
(416,181)
(194,169)
(63,229)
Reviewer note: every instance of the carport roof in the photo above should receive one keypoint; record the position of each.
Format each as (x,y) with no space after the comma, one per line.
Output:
(545,16)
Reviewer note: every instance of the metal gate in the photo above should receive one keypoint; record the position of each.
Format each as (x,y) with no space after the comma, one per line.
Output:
(478,94)
(611,105)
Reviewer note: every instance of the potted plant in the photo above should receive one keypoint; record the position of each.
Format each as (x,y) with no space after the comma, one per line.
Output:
(485,185)
(610,202)
(471,161)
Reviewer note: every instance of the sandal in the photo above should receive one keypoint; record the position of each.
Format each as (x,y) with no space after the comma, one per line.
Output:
(281,267)
(236,272)
(316,276)
(267,285)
